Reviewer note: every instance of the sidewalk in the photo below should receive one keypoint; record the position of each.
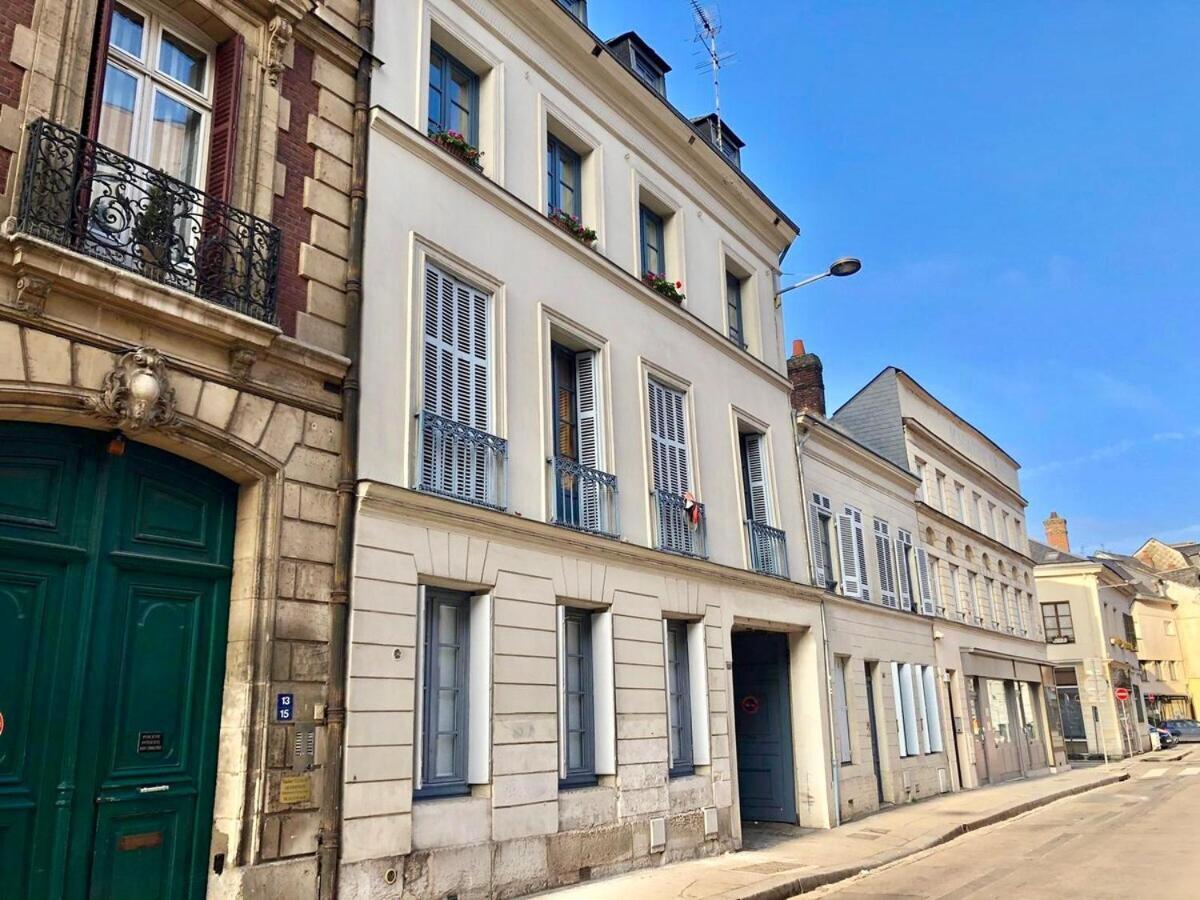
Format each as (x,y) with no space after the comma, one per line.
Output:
(780,861)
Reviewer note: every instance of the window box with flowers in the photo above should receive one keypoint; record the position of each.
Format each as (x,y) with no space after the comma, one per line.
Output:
(672,290)
(572,226)
(457,145)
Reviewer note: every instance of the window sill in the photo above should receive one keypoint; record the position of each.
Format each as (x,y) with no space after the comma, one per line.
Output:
(681,771)
(442,792)
(578,782)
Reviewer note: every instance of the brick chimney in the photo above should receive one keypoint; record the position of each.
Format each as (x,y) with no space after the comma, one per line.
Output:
(1056,533)
(808,383)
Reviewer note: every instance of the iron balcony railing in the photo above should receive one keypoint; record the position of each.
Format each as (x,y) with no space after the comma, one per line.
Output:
(678,529)
(584,498)
(461,462)
(89,198)
(768,549)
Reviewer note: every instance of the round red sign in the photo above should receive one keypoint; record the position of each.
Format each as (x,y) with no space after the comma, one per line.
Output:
(1122,694)
(750,704)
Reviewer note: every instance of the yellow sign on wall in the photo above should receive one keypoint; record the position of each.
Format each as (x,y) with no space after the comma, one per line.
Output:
(295,789)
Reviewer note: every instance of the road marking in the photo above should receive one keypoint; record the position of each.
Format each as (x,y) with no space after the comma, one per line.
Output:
(1155,773)
(1191,770)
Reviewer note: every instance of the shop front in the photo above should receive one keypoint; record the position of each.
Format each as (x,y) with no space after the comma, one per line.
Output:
(1009,722)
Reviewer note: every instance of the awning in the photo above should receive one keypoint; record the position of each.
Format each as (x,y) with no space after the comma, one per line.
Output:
(988,664)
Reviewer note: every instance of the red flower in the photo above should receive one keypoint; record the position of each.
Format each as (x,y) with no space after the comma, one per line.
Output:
(679,284)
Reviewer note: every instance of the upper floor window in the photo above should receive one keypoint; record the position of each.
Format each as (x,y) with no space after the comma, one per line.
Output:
(820,524)
(577,8)
(733,304)
(1056,617)
(852,553)
(562,178)
(886,563)
(940,490)
(453,96)
(653,241)
(642,60)
(679,517)
(584,496)
(648,70)
(960,502)
(157,95)
(768,546)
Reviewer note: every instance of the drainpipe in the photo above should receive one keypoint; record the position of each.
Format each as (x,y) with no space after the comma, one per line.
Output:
(329,835)
(835,762)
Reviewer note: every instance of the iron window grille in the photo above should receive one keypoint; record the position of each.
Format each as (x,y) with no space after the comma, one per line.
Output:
(673,531)
(86,197)
(768,549)
(461,462)
(585,499)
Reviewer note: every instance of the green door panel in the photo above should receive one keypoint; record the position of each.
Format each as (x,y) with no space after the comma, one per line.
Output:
(114,595)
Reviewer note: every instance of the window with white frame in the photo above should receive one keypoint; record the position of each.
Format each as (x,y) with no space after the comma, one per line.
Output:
(678,524)
(906,709)
(939,482)
(585,496)
(457,384)
(960,502)
(453,692)
(929,682)
(820,530)
(852,554)
(841,709)
(905,558)
(977,509)
(927,582)
(923,473)
(885,565)
(158,94)
(685,656)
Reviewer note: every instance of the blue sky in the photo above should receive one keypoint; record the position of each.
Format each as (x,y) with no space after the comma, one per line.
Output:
(1022,183)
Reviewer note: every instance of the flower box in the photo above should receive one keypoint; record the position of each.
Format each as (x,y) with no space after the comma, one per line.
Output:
(572,226)
(457,145)
(672,290)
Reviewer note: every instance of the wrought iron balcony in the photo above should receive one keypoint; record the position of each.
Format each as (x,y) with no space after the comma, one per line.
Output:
(674,528)
(461,462)
(768,549)
(82,195)
(584,499)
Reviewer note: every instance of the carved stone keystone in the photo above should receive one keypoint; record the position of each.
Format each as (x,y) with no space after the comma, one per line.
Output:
(32,291)
(136,393)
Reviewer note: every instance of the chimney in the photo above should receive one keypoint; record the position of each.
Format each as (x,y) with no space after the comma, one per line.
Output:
(808,383)
(1056,533)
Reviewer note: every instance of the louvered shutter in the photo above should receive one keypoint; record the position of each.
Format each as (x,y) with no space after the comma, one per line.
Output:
(756,475)
(883,558)
(860,545)
(847,554)
(924,582)
(669,460)
(95,95)
(227,92)
(896,693)
(815,538)
(903,549)
(588,414)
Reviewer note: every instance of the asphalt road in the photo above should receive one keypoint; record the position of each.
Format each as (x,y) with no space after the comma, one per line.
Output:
(1138,839)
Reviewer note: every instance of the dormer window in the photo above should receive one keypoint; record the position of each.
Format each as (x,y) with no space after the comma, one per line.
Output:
(729,143)
(642,61)
(577,8)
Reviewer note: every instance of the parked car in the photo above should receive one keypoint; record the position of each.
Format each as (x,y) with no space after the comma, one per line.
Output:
(1185,730)
(1161,738)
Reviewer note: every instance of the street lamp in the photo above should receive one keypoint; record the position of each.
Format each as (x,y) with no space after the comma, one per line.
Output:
(840,268)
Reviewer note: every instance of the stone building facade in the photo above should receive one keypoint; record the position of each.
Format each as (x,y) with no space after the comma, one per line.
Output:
(175,190)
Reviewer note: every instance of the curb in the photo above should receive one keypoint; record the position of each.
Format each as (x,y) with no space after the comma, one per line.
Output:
(781,889)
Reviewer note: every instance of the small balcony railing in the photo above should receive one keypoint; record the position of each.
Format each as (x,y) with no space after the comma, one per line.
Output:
(768,549)
(584,498)
(82,195)
(676,528)
(461,462)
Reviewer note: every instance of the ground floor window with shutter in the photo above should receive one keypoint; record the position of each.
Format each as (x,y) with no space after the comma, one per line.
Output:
(841,709)
(685,658)
(458,454)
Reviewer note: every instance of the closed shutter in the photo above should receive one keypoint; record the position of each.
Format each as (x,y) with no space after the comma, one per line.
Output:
(457,384)
(227,92)
(816,537)
(668,440)
(756,478)
(95,95)
(860,546)
(847,554)
(904,577)
(973,591)
(924,582)
(883,557)
(902,744)
(588,412)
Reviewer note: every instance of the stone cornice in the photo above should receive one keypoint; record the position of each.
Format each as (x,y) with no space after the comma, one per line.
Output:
(518,210)
(1000,487)
(924,509)
(379,497)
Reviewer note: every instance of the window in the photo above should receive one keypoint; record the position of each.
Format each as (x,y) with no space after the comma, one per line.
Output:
(886,565)
(956,600)
(852,552)
(994,522)
(679,708)
(820,525)
(451,688)
(927,582)
(973,591)
(457,389)
(584,496)
(929,681)
(768,548)
(453,96)
(577,8)
(923,474)
(1012,599)
(1056,617)
(562,178)
(977,506)
(678,531)
(577,716)
(733,304)
(998,613)
(653,243)
(1130,628)
(906,709)
(1169,627)
(940,489)
(156,102)
(960,502)
(841,709)
(649,71)
(904,559)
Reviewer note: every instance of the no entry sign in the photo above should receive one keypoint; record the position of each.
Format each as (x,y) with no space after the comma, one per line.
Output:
(1121,694)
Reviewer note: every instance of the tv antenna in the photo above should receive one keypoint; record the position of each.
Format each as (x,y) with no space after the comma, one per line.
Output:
(708,25)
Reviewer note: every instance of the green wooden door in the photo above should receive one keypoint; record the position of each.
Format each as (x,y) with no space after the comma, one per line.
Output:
(114,596)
